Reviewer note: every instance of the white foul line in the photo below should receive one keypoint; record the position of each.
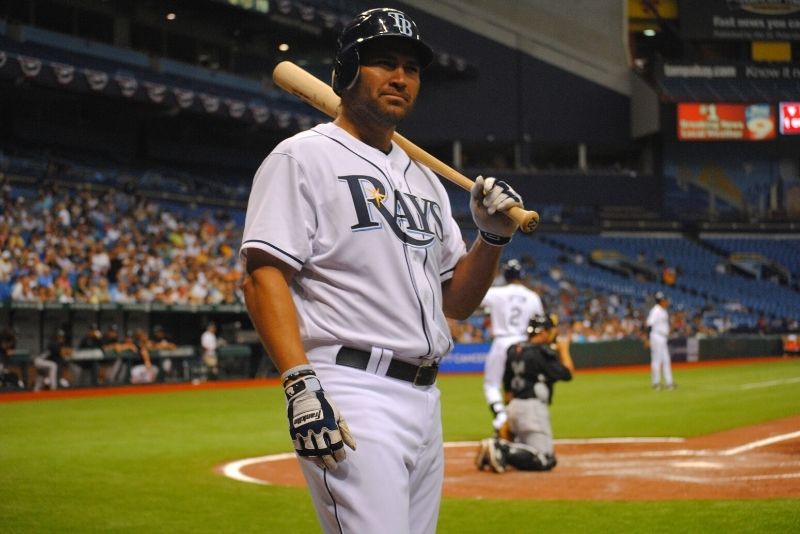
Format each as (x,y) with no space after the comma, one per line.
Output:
(769,383)
(761,443)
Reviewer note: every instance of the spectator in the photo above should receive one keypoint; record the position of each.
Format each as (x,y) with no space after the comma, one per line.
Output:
(116,374)
(53,362)
(92,339)
(7,266)
(142,369)
(160,341)
(209,342)
(23,289)
(8,343)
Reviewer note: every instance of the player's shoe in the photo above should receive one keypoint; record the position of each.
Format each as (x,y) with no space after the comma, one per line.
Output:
(656,387)
(496,458)
(482,458)
(672,386)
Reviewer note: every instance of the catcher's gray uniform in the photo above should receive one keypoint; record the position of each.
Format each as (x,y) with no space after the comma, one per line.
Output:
(531,371)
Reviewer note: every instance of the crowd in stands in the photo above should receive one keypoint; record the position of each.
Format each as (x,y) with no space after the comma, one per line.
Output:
(84,245)
(87,244)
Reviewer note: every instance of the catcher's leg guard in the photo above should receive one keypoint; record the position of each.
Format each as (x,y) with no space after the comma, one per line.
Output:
(527,460)
(497,455)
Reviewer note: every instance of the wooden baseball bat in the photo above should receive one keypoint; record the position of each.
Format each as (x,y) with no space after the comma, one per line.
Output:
(320,95)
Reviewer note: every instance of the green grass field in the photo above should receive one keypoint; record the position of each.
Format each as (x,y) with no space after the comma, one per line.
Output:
(144,463)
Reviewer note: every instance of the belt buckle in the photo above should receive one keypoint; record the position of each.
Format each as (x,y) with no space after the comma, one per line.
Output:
(426,374)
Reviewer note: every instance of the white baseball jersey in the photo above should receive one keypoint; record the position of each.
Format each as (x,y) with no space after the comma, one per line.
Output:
(658,321)
(511,306)
(371,236)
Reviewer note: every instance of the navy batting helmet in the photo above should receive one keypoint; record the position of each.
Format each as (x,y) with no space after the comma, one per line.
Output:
(540,323)
(381,22)
(512,270)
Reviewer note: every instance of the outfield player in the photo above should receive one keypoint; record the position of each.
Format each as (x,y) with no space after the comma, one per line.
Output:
(532,368)
(353,262)
(510,308)
(657,324)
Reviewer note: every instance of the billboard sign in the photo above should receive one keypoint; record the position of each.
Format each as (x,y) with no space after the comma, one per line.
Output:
(725,122)
(789,118)
(740,20)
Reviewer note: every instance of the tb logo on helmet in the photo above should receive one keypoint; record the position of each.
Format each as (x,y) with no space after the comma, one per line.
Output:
(402,24)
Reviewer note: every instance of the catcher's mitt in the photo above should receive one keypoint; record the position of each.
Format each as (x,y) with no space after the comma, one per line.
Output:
(505,432)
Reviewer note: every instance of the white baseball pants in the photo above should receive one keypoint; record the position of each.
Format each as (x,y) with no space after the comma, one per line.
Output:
(660,361)
(392,482)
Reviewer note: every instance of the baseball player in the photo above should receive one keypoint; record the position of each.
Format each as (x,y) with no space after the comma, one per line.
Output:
(510,308)
(657,324)
(353,263)
(531,370)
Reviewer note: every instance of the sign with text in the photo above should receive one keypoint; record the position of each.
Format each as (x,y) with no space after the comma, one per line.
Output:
(725,122)
(770,72)
(740,20)
(790,118)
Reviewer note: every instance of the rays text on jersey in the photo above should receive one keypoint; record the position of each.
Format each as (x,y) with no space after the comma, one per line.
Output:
(414,220)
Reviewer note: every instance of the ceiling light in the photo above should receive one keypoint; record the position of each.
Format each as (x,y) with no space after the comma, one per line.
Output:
(171,16)
(283,47)
(649,32)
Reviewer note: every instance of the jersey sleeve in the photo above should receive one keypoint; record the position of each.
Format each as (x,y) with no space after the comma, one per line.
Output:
(280,217)
(453,246)
(554,369)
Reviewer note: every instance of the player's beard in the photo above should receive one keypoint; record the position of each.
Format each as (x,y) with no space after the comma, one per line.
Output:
(368,110)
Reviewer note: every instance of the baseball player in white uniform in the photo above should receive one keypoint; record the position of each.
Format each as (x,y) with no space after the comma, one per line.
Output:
(658,327)
(510,308)
(353,262)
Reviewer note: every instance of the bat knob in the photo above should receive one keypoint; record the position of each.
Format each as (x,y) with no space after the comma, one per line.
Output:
(530,222)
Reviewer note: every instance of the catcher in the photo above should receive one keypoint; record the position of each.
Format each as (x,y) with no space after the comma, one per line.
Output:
(532,368)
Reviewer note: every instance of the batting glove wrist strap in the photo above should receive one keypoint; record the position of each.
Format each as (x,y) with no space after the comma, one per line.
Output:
(318,431)
(489,199)
(493,239)
(299,371)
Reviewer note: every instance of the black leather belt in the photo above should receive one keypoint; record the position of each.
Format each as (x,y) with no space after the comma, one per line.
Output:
(419,375)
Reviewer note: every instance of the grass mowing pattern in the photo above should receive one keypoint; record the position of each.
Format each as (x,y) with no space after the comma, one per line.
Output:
(134,463)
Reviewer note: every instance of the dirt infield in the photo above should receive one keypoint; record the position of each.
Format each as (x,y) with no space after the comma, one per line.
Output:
(757,462)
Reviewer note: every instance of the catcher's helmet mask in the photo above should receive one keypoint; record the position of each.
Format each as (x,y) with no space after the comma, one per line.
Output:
(369,25)
(541,323)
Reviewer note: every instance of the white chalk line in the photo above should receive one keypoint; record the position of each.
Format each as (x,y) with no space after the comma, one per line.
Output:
(761,443)
(673,477)
(234,469)
(770,383)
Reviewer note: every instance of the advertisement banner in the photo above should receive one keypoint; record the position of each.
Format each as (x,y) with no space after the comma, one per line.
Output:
(465,358)
(789,118)
(725,122)
(740,20)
